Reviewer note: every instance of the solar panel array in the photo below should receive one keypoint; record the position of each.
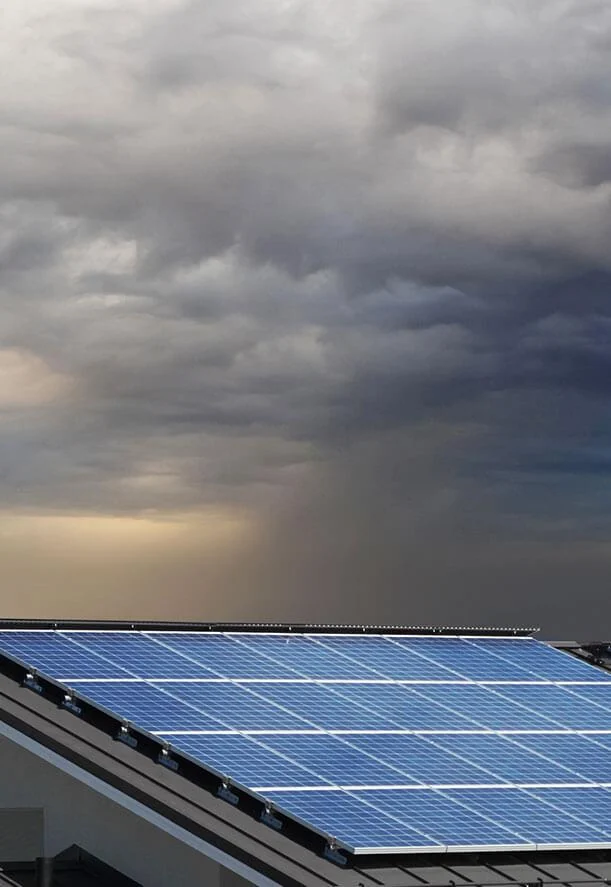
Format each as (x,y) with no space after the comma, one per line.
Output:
(385,743)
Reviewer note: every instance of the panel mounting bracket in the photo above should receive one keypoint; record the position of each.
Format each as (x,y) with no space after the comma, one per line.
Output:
(125,736)
(224,792)
(70,704)
(164,758)
(269,818)
(31,681)
(333,854)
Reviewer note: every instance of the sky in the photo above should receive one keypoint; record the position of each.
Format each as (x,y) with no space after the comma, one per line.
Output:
(305,311)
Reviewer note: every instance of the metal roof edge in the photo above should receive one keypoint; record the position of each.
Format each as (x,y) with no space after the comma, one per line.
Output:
(298,627)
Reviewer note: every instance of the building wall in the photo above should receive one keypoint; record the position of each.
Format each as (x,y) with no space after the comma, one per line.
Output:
(74,813)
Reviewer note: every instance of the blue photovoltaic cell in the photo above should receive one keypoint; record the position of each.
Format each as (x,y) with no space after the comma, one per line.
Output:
(222,655)
(466,659)
(537,821)
(420,758)
(558,704)
(405,707)
(245,760)
(441,817)
(306,656)
(324,708)
(583,754)
(388,658)
(337,760)
(543,662)
(505,759)
(57,656)
(236,707)
(591,805)
(350,821)
(142,656)
(486,707)
(147,707)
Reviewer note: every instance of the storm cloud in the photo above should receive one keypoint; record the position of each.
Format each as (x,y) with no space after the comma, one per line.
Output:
(325,286)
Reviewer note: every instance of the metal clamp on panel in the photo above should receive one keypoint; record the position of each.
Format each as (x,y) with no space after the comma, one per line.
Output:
(70,704)
(165,760)
(268,817)
(333,854)
(125,736)
(31,681)
(224,792)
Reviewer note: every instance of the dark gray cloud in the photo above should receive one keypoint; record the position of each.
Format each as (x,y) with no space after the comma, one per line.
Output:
(346,267)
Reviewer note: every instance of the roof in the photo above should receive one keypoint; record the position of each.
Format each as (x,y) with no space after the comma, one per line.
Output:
(293,856)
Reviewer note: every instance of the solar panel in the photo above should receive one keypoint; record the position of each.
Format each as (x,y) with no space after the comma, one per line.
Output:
(454,824)
(486,707)
(543,823)
(343,815)
(147,706)
(58,656)
(139,655)
(422,758)
(560,704)
(505,759)
(338,760)
(224,656)
(249,761)
(401,743)
(584,755)
(466,660)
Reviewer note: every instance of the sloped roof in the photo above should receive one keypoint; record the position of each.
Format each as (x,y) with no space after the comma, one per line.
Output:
(289,857)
